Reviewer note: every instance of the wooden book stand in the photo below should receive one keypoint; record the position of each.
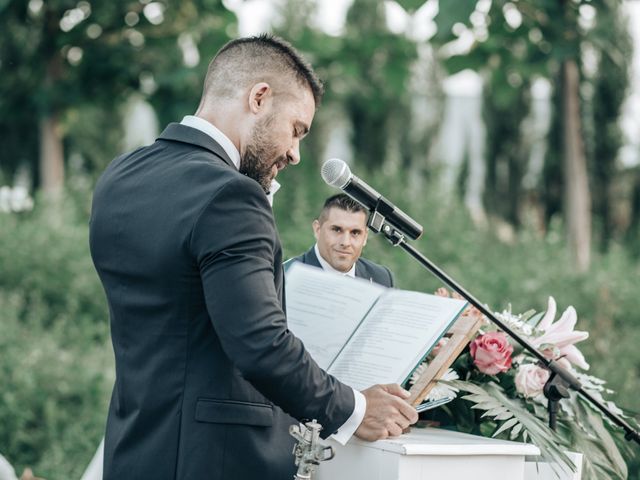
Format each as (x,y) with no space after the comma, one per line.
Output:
(459,335)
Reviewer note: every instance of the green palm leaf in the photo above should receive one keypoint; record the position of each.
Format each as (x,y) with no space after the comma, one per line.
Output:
(516,421)
(590,435)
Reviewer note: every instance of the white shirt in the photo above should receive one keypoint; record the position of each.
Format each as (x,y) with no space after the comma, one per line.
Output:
(226,144)
(346,431)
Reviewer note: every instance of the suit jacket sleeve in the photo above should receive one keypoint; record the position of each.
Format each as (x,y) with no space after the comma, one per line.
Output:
(234,241)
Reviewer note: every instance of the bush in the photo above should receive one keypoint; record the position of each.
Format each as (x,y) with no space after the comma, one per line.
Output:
(56,360)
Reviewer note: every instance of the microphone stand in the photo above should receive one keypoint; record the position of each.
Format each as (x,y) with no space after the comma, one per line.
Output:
(560,379)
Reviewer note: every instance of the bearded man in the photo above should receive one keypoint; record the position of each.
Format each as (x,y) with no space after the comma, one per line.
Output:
(208,377)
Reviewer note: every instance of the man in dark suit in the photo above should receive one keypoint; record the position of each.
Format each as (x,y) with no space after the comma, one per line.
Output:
(208,377)
(341,234)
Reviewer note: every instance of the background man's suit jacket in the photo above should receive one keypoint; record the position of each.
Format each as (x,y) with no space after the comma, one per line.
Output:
(364,268)
(190,260)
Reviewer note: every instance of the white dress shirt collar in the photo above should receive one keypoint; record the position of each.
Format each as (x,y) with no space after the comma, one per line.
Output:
(208,128)
(327,266)
(226,144)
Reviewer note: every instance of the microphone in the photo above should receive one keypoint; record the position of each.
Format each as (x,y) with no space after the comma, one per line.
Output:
(336,173)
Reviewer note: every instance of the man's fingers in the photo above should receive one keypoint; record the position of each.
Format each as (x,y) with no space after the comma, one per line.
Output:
(394,430)
(388,413)
(397,390)
(408,411)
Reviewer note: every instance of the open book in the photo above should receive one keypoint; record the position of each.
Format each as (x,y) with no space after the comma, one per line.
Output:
(361,332)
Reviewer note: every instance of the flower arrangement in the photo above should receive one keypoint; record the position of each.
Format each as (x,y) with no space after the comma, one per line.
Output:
(498,387)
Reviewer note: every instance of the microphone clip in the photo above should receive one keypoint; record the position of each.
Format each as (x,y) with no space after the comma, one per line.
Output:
(377,223)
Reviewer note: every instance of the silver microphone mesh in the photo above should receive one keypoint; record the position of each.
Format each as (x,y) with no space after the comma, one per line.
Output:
(335,172)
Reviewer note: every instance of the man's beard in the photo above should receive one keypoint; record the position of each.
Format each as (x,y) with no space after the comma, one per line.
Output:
(255,162)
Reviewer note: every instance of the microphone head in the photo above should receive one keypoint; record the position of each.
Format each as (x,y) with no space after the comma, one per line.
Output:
(335,172)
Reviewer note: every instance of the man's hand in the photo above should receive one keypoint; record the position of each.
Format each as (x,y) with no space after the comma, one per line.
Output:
(387,414)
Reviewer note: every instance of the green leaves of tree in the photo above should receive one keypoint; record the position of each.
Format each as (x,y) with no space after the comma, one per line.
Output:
(450,13)
(49,66)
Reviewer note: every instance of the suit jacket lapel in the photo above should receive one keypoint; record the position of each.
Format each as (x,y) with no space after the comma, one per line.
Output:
(361,271)
(181,133)
(310,258)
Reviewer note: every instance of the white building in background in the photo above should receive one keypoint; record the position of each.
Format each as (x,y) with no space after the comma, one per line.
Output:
(630,121)
(535,128)
(140,124)
(463,135)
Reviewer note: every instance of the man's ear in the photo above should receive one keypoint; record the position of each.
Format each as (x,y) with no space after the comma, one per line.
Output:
(258,96)
(316,228)
(366,235)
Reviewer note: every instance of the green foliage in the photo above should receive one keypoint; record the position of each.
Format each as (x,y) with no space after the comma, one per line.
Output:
(411,5)
(450,13)
(511,54)
(376,72)
(50,63)
(367,76)
(610,90)
(516,421)
(56,365)
(581,427)
(592,437)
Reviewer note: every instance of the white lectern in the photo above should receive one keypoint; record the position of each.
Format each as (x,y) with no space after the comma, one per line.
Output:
(427,454)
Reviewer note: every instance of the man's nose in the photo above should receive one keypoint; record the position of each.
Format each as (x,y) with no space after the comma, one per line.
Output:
(293,154)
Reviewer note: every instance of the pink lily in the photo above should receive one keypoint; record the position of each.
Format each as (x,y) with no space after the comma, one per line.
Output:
(558,338)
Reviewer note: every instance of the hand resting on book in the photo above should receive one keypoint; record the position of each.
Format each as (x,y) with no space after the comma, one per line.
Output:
(387,414)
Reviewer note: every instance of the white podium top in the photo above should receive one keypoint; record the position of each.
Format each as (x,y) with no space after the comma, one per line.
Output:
(434,441)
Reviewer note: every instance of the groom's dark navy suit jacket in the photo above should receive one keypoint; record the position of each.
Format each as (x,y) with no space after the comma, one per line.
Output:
(207,373)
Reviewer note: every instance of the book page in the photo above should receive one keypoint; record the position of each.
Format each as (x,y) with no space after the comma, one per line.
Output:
(323,308)
(396,335)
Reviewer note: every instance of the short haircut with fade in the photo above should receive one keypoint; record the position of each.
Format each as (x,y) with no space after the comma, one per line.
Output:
(343,202)
(265,58)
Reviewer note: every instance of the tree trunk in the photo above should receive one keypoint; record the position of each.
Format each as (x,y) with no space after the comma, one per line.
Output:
(51,155)
(577,197)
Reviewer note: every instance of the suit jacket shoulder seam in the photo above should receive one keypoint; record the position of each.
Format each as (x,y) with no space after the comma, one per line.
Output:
(242,180)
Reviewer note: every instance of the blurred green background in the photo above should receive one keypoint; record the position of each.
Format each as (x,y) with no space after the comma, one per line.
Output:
(497,124)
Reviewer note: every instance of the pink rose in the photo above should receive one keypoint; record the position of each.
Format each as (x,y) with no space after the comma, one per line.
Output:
(491,352)
(530,380)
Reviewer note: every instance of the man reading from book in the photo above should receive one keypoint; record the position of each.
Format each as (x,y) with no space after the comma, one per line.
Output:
(209,377)
(341,234)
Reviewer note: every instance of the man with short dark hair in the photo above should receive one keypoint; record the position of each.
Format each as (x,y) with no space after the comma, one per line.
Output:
(208,376)
(341,234)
